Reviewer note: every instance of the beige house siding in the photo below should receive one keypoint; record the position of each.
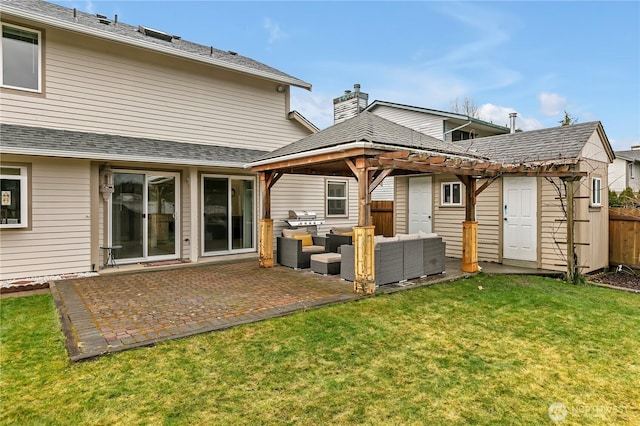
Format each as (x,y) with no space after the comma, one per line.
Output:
(301,192)
(595,255)
(59,240)
(489,216)
(447,221)
(553,227)
(401,189)
(419,121)
(101,86)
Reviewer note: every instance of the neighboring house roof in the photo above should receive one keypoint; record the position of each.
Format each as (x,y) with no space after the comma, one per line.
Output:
(62,17)
(631,155)
(557,143)
(443,114)
(26,140)
(366,129)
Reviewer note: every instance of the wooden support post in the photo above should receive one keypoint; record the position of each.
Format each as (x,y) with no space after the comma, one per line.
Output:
(265,232)
(469,227)
(364,281)
(572,272)
(470,246)
(265,249)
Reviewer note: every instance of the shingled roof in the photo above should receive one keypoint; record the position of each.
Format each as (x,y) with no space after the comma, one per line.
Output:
(630,155)
(369,128)
(26,140)
(62,17)
(557,143)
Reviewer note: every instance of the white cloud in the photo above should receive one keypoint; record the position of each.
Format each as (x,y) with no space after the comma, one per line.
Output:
(500,115)
(551,103)
(315,107)
(275,33)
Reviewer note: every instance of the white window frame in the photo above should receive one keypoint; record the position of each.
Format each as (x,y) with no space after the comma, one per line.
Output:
(23,178)
(443,202)
(596,192)
(345,198)
(31,30)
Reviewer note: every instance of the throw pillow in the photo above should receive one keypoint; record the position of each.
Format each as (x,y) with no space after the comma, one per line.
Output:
(307,240)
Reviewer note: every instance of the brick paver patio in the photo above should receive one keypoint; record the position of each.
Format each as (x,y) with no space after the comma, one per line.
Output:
(114,312)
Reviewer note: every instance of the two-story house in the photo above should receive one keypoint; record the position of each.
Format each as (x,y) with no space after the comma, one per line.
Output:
(125,136)
(625,170)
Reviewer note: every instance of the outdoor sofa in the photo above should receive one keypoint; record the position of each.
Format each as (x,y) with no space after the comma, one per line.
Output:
(399,258)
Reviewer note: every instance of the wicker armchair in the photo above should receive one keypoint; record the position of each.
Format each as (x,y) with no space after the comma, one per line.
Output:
(291,252)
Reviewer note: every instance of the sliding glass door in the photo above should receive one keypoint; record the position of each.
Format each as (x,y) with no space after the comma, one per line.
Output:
(228,206)
(143,215)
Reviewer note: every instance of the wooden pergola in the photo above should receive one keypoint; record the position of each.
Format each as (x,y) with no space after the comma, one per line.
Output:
(370,162)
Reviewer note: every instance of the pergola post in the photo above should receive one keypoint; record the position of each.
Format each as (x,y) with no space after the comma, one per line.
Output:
(364,280)
(469,227)
(265,231)
(572,270)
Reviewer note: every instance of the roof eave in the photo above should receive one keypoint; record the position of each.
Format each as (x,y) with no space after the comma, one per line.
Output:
(70,26)
(116,157)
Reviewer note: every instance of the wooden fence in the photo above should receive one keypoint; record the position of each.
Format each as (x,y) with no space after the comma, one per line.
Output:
(382,214)
(624,237)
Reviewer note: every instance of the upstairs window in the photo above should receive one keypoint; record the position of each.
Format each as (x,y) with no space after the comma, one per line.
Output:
(13,186)
(336,198)
(21,58)
(451,194)
(596,192)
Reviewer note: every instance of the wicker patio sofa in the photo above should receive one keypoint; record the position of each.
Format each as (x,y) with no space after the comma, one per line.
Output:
(399,258)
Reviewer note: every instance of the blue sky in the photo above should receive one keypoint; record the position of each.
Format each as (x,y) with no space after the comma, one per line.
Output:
(536,58)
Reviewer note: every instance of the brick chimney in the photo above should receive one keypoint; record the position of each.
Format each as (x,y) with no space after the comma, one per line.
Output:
(350,104)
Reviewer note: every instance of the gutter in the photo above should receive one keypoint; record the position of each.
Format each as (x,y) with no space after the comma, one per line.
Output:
(79,28)
(117,157)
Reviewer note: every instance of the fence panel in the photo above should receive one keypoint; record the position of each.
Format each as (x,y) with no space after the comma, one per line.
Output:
(624,237)
(382,214)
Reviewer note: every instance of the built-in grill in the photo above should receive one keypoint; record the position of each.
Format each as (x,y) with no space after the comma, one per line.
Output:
(303,218)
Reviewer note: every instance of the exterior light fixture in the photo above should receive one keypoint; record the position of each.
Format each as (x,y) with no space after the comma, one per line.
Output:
(281,88)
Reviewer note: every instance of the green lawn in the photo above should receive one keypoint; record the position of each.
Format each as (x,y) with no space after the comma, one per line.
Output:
(445,354)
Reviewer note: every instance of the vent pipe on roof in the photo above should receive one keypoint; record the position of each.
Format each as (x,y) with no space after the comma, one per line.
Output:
(512,119)
(75,14)
(115,19)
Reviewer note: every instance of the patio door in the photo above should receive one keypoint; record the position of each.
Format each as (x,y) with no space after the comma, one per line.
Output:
(228,209)
(520,218)
(143,215)
(420,204)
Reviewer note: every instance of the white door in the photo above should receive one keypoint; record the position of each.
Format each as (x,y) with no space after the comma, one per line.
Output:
(520,218)
(420,204)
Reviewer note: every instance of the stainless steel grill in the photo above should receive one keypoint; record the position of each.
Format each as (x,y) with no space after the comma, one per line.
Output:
(303,218)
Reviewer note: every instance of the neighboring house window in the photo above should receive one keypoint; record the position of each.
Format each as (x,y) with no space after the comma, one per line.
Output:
(631,171)
(21,58)
(336,198)
(596,193)
(461,135)
(451,194)
(13,210)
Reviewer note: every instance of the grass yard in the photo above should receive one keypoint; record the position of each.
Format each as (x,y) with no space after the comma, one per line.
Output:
(445,354)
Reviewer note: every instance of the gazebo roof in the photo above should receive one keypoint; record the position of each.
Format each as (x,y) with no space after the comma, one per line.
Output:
(365,130)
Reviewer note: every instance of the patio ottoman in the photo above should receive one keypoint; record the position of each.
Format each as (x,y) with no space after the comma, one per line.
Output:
(326,263)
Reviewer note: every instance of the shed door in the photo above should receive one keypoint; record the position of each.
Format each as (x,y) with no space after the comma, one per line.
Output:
(420,204)
(520,223)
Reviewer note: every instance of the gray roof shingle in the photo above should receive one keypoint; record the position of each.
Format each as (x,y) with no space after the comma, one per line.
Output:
(631,155)
(18,139)
(368,127)
(557,143)
(63,15)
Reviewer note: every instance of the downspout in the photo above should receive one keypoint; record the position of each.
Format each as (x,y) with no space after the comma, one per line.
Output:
(444,134)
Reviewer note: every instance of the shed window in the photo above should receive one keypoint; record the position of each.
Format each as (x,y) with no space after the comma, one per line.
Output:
(13,209)
(451,194)
(336,198)
(596,191)
(21,62)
